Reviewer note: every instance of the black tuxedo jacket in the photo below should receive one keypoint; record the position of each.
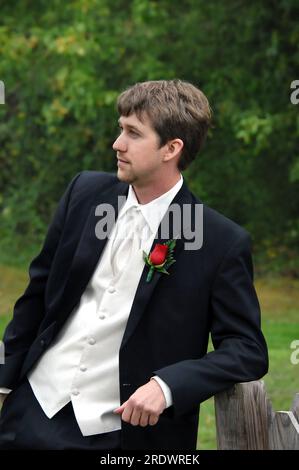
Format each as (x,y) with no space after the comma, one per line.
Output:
(209,290)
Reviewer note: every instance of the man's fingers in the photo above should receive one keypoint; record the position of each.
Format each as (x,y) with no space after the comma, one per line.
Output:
(121,408)
(127,413)
(153,420)
(135,417)
(144,419)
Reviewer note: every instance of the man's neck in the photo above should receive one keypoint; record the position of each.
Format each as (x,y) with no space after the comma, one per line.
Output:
(145,195)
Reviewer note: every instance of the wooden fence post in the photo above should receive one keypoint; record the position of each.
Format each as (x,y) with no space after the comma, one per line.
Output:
(245,420)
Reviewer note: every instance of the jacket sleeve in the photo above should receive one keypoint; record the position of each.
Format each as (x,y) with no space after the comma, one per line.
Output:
(29,309)
(240,351)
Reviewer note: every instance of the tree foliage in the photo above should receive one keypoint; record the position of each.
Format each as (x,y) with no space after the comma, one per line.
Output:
(63,65)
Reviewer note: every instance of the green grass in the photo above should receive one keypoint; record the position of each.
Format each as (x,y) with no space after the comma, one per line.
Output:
(279,298)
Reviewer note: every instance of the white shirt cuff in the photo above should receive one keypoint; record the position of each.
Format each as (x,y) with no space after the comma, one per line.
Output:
(5,391)
(165,389)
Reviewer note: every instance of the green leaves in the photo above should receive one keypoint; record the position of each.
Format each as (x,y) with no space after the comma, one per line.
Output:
(64,65)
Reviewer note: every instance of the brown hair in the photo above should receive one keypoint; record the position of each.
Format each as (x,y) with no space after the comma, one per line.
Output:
(176,109)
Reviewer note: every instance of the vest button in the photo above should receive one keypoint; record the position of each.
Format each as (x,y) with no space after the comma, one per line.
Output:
(42,343)
(91,341)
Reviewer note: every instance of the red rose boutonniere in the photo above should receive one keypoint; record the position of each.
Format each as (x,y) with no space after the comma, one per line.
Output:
(160,258)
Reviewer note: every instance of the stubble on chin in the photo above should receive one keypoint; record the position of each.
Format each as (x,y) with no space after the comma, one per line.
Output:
(124,177)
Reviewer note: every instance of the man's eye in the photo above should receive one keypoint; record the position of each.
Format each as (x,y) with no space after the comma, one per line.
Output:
(129,131)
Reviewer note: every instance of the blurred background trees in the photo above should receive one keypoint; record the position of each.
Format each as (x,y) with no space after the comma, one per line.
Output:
(64,64)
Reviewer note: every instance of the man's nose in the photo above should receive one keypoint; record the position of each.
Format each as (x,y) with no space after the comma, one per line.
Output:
(120,144)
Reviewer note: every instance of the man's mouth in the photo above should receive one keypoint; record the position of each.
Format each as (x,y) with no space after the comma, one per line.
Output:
(122,160)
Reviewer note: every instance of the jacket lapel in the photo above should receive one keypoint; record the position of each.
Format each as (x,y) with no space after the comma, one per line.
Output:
(146,289)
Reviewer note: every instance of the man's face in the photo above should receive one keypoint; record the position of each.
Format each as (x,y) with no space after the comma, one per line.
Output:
(138,153)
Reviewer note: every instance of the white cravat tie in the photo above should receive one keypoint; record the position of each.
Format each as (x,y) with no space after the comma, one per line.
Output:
(127,240)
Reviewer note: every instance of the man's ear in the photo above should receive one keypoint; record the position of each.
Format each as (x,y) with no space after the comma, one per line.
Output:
(173,149)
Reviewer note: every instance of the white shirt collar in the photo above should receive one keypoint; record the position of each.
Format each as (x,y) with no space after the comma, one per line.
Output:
(153,211)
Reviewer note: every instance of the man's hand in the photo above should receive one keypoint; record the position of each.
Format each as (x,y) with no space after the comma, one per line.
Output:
(144,406)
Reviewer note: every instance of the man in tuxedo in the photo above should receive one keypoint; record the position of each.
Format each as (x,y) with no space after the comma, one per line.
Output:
(107,348)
